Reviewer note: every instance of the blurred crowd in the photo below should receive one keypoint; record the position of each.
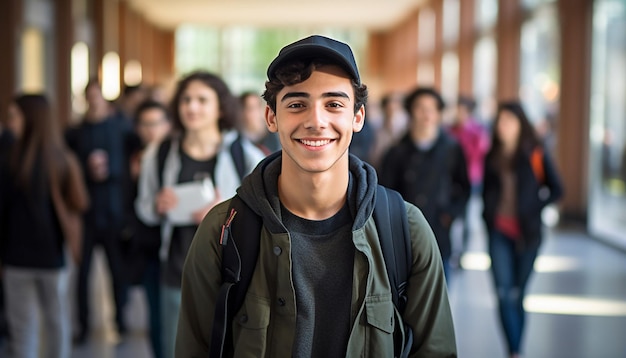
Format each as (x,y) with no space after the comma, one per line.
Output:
(136,177)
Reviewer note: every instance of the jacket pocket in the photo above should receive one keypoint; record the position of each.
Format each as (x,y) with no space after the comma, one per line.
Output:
(250,327)
(379,314)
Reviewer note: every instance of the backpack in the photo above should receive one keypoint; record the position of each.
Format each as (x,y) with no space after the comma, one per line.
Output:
(240,250)
(536,163)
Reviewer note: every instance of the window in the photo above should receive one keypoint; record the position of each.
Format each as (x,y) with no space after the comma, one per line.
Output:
(607,159)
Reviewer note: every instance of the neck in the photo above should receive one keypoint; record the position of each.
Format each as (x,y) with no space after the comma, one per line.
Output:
(509,148)
(202,144)
(97,115)
(424,134)
(314,196)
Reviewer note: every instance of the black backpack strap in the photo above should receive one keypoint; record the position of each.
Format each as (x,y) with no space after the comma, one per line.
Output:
(395,241)
(164,148)
(393,230)
(236,151)
(240,251)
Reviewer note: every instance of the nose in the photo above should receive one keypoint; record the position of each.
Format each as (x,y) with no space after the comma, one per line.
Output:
(316,118)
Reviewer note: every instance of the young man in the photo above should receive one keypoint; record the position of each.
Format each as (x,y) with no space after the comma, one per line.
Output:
(428,168)
(320,287)
(98,141)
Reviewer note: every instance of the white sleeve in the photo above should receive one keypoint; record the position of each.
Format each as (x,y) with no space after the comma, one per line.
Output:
(148,187)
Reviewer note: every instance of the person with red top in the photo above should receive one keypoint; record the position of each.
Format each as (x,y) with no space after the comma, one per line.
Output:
(519,181)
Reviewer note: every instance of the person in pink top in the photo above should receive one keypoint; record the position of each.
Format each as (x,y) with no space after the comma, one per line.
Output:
(474,140)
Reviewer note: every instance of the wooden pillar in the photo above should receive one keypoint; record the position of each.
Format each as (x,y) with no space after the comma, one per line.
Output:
(97,47)
(10,23)
(64,38)
(573,125)
(437,55)
(465,47)
(509,50)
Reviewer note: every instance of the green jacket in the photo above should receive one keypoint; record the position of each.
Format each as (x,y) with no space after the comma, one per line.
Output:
(265,324)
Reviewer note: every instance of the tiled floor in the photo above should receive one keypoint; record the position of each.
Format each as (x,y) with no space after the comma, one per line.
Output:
(576,302)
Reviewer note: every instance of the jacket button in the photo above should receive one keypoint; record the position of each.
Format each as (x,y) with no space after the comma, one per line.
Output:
(243,318)
(277,250)
(281,301)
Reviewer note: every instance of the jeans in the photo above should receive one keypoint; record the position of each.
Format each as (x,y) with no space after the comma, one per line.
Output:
(170,306)
(26,291)
(511,268)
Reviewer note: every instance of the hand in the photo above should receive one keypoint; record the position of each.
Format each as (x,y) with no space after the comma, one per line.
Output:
(199,215)
(165,201)
(98,165)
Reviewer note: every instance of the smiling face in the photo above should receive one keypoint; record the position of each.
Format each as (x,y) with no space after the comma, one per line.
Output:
(315,120)
(199,107)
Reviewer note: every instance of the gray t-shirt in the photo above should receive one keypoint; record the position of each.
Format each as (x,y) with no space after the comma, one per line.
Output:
(323,257)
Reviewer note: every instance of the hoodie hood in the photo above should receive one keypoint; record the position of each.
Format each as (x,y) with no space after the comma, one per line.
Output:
(259,191)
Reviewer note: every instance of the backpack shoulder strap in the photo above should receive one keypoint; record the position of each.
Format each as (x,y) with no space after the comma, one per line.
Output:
(236,151)
(393,231)
(240,250)
(164,148)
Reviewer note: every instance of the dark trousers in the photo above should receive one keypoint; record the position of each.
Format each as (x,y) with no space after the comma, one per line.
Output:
(110,241)
(511,268)
(151,282)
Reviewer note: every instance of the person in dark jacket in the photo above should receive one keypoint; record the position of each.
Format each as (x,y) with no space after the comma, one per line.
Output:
(99,144)
(428,168)
(519,181)
(40,177)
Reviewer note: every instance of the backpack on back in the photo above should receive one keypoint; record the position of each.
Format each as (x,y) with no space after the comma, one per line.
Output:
(241,244)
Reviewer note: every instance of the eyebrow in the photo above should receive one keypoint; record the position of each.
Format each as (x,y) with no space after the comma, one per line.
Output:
(306,95)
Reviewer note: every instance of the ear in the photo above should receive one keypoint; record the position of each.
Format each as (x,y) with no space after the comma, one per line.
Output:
(270,120)
(359,119)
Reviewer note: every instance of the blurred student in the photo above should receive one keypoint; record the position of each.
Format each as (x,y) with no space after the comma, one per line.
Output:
(474,140)
(98,141)
(130,99)
(152,125)
(428,168)
(253,125)
(393,127)
(196,162)
(42,195)
(519,181)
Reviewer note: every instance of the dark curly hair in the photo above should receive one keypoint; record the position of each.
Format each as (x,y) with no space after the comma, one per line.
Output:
(423,91)
(298,71)
(228,104)
(528,138)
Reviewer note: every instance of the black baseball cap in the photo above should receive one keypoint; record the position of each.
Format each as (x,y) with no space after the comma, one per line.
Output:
(317,46)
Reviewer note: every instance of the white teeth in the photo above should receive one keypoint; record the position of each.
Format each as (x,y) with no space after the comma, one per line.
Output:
(315,143)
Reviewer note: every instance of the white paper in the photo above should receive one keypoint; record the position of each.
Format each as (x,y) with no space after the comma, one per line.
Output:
(191,196)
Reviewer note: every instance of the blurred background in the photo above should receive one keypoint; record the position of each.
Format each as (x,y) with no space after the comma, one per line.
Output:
(565,60)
